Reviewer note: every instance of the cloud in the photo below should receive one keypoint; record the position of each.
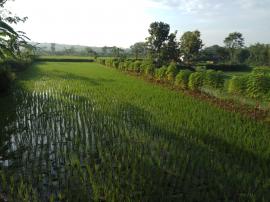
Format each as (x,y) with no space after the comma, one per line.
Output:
(191,6)
(206,7)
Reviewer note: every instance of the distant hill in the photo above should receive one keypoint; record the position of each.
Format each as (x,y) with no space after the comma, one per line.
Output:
(63,47)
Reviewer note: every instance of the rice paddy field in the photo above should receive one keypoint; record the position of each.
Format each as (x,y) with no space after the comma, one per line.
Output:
(84,132)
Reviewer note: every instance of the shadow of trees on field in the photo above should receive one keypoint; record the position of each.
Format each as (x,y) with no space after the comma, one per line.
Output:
(217,170)
(179,164)
(8,115)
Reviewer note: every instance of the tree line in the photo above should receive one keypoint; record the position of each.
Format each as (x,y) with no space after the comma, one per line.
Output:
(163,47)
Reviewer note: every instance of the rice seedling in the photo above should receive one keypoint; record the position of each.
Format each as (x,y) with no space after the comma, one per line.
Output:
(84,132)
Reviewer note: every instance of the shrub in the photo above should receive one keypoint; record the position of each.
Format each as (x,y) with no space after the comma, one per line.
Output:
(126,64)
(258,85)
(160,73)
(238,84)
(6,78)
(130,66)
(196,80)
(214,79)
(150,70)
(182,78)
(149,67)
(108,62)
(261,70)
(101,61)
(15,64)
(227,67)
(137,66)
(200,68)
(171,71)
(115,64)
(121,65)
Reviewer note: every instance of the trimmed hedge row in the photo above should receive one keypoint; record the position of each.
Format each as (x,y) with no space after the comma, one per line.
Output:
(63,60)
(227,67)
(255,84)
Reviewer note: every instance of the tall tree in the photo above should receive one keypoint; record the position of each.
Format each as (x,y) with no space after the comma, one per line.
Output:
(190,45)
(117,52)
(259,54)
(233,42)
(215,54)
(138,49)
(171,51)
(159,32)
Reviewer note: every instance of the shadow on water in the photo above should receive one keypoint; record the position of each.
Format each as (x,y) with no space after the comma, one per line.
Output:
(8,110)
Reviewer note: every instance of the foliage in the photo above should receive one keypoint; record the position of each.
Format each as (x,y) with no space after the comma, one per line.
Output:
(241,56)
(196,80)
(259,54)
(137,66)
(238,85)
(258,85)
(214,53)
(139,49)
(233,42)
(101,61)
(182,79)
(214,79)
(228,67)
(170,52)
(148,66)
(171,71)
(159,32)
(190,45)
(6,78)
(160,73)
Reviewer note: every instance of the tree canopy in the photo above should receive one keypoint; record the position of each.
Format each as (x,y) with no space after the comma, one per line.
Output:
(190,45)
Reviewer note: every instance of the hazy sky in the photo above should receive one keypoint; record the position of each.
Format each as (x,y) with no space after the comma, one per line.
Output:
(124,22)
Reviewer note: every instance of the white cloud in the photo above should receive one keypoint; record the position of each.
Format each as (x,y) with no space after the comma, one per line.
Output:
(192,6)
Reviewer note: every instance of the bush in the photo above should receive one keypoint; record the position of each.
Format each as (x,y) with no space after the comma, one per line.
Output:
(130,66)
(227,67)
(101,61)
(6,78)
(15,64)
(214,79)
(196,80)
(115,64)
(150,70)
(182,78)
(137,66)
(258,85)
(121,65)
(238,84)
(261,70)
(171,72)
(108,62)
(160,73)
(149,67)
